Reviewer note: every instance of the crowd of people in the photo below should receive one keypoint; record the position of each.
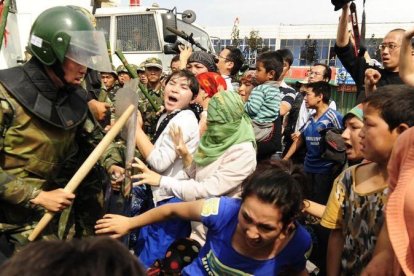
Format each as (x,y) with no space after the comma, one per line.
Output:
(235,172)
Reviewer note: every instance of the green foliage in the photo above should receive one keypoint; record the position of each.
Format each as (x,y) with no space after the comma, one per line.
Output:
(254,41)
(309,51)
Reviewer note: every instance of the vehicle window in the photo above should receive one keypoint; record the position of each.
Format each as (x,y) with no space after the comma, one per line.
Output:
(137,32)
(199,35)
(103,24)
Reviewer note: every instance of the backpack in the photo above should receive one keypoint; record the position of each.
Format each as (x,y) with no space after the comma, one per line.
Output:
(332,145)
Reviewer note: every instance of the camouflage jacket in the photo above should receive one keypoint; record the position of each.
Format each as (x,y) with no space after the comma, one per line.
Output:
(149,115)
(33,155)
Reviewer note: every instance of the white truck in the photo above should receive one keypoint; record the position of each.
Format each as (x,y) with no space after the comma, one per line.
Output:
(139,32)
(142,32)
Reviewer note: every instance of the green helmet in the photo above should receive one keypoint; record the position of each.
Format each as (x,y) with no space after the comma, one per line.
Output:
(64,32)
(121,69)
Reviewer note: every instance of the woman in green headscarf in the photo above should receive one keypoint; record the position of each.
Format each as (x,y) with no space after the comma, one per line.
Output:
(225,157)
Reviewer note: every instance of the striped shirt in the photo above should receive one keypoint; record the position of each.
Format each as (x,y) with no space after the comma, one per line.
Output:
(264,103)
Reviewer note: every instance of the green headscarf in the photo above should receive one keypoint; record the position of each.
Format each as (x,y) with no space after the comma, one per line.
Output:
(227,125)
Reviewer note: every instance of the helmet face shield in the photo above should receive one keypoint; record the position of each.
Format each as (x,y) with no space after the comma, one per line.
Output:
(88,48)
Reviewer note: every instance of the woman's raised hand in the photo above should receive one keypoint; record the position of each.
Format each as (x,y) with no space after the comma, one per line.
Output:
(146,176)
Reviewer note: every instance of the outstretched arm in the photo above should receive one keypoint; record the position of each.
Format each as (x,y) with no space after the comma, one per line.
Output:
(342,35)
(406,58)
(118,226)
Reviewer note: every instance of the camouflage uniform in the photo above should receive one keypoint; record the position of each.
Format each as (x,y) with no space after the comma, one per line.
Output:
(93,85)
(34,152)
(149,115)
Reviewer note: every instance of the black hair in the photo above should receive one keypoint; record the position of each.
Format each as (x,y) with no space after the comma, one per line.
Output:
(236,56)
(271,60)
(320,88)
(175,58)
(286,55)
(395,103)
(327,73)
(192,80)
(87,257)
(277,183)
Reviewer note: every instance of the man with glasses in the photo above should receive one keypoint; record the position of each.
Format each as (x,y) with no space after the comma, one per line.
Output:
(229,62)
(317,72)
(360,68)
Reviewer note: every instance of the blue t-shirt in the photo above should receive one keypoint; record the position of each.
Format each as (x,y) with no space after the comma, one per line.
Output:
(313,160)
(219,257)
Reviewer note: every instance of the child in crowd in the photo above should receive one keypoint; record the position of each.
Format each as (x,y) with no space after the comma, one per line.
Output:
(353,123)
(355,208)
(319,170)
(264,102)
(254,235)
(247,83)
(181,88)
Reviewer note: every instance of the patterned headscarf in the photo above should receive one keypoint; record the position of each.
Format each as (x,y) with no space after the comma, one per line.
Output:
(227,125)
(211,83)
(249,76)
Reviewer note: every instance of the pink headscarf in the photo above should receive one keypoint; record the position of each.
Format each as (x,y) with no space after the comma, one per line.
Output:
(211,83)
(400,206)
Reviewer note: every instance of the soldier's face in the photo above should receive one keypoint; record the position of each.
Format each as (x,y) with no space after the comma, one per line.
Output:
(153,74)
(74,72)
(108,80)
(177,94)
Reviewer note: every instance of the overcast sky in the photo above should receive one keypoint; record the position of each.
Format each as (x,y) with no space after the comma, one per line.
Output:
(274,12)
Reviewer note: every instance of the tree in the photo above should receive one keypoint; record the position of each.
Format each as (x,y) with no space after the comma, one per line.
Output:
(254,41)
(235,38)
(254,46)
(309,52)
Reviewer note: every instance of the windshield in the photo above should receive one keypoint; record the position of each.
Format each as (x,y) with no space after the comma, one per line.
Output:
(199,35)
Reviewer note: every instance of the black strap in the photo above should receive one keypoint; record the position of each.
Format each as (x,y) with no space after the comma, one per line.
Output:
(64,108)
(163,125)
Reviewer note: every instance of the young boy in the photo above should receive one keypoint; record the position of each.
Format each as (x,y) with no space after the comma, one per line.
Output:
(264,102)
(318,169)
(355,208)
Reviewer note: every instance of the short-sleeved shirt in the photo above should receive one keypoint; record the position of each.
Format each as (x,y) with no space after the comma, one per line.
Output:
(218,257)
(360,216)
(314,163)
(289,94)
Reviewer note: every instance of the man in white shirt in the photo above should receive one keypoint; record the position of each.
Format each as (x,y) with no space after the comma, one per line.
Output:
(229,62)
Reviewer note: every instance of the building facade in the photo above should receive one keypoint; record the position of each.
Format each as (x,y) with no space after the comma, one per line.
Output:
(309,44)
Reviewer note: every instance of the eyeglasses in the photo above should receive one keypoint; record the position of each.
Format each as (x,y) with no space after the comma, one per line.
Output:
(311,73)
(391,46)
(226,59)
